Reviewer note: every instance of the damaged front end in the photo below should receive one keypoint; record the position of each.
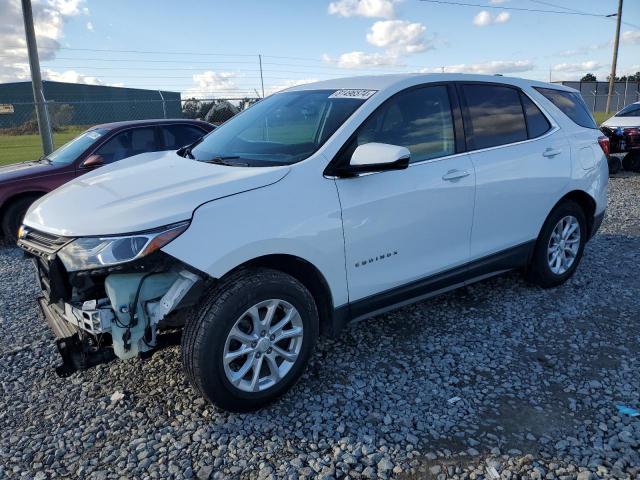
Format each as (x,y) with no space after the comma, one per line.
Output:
(107,297)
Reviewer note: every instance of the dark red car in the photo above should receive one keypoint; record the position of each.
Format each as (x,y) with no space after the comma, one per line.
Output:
(22,183)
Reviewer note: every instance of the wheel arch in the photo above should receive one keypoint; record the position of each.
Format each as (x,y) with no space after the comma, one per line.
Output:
(307,274)
(35,194)
(586,202)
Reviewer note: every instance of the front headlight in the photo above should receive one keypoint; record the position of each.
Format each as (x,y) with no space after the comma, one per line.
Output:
(98,252)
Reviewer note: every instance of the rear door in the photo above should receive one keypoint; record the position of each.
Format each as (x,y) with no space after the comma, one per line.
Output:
(522,162)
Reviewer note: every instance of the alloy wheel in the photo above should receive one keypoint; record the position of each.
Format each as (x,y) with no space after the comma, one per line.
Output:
(263,345)
(564,245)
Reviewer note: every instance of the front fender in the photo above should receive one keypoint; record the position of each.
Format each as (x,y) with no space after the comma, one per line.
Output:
(299,216)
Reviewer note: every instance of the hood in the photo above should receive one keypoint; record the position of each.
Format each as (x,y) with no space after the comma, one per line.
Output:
(140,193)
(25,170)
(614,122)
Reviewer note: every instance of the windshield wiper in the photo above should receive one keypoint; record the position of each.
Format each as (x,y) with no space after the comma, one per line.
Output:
(224,160)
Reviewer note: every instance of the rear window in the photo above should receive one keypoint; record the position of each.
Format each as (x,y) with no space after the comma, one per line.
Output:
(571,104)
(537,123)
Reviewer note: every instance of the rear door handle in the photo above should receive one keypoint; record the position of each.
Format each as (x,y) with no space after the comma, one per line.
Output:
(455,175)
(551,152)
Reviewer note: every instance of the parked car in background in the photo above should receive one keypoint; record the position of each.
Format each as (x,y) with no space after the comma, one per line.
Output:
(623,130)
(22,183)
(325,203)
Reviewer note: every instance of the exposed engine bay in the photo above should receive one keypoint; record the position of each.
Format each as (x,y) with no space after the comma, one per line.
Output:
(116,312)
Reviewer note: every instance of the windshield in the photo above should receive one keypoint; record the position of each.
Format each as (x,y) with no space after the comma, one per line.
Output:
(632,110)
(282,129)
(68,152)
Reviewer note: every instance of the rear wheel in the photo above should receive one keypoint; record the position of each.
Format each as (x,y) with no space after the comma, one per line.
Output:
(251,339)
(559,246)
(631,161)
(13,216)
(615,165)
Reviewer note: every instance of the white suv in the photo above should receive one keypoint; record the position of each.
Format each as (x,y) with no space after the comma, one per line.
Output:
(322,204)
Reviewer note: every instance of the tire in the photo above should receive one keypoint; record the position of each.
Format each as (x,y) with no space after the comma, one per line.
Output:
(13,216)
(631,162)
(615,165)
(540,271)
(206,338)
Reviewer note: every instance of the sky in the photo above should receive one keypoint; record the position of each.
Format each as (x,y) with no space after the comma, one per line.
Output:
(211,48)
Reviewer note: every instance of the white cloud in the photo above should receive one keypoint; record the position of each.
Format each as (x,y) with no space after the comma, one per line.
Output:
(90,26)
(211,84)
(363,60)
(398,36)
(70,76)
(631,37)
(288,84)
(497,2)
(68,8)
(486,68)
(589,66)
(484,18)
(49,18)
(363,8)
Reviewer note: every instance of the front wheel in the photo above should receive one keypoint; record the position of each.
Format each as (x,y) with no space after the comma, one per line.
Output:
(13,216)
(559,246)
(251,339)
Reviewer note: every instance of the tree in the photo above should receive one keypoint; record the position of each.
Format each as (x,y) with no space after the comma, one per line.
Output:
(589,77)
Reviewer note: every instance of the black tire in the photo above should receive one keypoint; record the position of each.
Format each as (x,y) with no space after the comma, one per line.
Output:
(631,161)
(209,324)
(539,271)
(13,216)
(615,165)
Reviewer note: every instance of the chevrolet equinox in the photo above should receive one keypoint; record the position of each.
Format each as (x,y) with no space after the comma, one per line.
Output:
(321,204)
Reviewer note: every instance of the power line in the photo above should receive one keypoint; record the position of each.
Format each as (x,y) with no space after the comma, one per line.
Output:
(611,17)
(520,9)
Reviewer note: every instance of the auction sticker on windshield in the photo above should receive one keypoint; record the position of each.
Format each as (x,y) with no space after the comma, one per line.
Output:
(357,93)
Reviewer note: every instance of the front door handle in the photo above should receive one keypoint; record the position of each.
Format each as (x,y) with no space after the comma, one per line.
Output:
(455,175)
(551,152)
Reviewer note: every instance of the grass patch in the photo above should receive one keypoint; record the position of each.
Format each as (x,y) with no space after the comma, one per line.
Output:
(601,117)
(20,148)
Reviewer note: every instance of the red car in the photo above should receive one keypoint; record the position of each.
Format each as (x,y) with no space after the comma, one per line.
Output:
(22,183)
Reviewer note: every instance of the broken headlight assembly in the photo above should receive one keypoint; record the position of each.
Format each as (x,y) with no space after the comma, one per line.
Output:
(88,253)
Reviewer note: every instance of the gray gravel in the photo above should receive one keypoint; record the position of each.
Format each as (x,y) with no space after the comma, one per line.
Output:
(538,375)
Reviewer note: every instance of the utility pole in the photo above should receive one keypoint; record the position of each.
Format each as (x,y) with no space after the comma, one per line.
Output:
(261,78)
(42,113)
(616,42)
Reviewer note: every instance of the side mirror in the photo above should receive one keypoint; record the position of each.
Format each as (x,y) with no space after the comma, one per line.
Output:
(377,157)
(93,161)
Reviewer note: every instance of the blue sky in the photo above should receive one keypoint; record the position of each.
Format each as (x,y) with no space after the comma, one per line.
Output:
(207,48)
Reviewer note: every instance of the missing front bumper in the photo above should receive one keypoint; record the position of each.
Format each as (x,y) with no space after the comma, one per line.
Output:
(77,350)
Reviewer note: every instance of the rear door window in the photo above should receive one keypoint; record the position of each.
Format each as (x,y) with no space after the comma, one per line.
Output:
(494,116)
(177,136)
(571,104)
(537,123)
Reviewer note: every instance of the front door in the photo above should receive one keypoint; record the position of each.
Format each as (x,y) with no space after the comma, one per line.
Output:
(401,227)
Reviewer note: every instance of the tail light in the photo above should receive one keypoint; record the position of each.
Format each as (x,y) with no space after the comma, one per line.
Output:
(604,144)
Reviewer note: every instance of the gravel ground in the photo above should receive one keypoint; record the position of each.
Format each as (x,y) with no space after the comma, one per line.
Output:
(497,380)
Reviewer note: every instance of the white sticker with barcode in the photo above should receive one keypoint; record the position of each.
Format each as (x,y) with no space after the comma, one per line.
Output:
(356,93)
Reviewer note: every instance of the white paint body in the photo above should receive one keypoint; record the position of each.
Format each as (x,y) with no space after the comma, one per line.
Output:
(498,198)
(625,121)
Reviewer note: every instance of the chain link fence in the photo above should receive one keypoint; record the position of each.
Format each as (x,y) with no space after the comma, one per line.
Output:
(19,136)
